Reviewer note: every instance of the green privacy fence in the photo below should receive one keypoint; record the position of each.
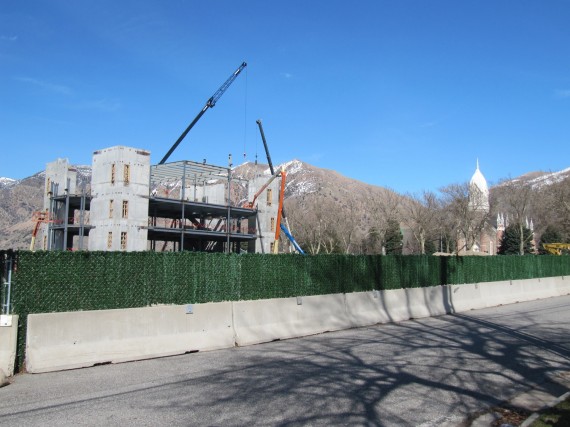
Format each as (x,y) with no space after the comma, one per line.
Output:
(46,282)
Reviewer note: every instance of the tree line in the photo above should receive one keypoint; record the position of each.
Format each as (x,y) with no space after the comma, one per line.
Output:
(449,220)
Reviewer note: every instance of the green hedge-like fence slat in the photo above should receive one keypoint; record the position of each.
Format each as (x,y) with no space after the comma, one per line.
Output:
(70,281)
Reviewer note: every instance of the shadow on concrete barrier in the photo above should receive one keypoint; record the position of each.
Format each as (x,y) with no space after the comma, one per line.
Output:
(58,341)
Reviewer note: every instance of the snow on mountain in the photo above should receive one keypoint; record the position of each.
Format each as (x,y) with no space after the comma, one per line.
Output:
(293,167)
(85,170)
(301,178)
(550,178)
(538,180)
(7,182)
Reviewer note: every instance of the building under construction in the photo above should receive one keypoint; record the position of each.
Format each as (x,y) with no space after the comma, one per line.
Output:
(131,205)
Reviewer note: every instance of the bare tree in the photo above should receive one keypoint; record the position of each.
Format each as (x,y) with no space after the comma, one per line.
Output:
(346,225)
(517,199)
(383,211)
(419,213)
(315,225)
(446,229)
(558,206)
(466,213)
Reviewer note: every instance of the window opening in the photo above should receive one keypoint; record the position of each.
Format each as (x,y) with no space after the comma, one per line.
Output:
(127,174)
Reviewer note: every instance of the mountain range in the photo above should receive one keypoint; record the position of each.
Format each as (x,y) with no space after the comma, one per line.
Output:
(311,194)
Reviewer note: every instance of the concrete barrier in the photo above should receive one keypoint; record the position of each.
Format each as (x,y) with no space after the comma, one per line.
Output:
(501,293)
(465,297)
(58,341)
(8,343)
(369,308)
(267,320)
(562,285)
(537,288)
(366,308)
(426,302)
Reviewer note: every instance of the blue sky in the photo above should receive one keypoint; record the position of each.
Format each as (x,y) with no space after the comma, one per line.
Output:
(404,94)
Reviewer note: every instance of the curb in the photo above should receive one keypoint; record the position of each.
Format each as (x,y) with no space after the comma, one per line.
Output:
(3,380)
(536,415)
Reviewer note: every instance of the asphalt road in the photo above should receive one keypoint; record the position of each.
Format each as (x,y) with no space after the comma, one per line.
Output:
(424,372)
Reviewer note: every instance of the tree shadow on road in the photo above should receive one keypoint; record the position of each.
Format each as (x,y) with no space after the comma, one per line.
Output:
(414,373)
(396,374)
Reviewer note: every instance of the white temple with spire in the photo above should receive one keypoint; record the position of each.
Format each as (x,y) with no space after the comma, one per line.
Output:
(478,191)
(489,240)
(485,242)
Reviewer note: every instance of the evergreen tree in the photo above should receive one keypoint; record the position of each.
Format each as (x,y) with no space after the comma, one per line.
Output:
(511,242)
(394,240)
(372,242)
(550,235)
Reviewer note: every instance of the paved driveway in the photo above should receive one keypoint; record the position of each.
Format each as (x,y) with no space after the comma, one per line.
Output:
(422,372)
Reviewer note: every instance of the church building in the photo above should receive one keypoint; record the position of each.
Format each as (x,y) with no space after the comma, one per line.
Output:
(485,235)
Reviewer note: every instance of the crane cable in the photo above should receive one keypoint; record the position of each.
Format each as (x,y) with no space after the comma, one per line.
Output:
(245,118)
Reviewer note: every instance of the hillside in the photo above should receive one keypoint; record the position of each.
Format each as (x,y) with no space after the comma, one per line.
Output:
(540,179)
(18,200)
(322,205)
(543,197)
(306,185)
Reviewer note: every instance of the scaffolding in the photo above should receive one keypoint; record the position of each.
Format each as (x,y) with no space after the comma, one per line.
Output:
(190,206)
(66,217)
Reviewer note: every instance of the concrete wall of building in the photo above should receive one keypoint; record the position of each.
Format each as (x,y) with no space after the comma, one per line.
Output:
(58,172)
(57,341)
(119,207)
(8,343)
(267,208)
(60,179)
(212,193)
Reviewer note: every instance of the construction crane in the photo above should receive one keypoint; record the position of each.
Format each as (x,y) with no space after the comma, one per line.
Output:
(281,208)
(556,248)
(209,104)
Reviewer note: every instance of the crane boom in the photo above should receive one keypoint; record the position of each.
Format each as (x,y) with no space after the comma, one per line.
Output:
(209,104)
(258,121)
(281,208)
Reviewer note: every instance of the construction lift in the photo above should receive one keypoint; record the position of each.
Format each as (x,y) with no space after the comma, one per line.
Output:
(39,218)
(209,104)
(251,204)
(281,213)
(556,248)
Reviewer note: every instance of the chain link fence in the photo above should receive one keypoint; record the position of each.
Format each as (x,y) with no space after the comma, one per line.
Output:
(7,264)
